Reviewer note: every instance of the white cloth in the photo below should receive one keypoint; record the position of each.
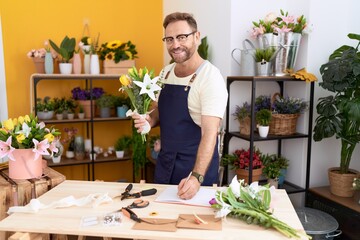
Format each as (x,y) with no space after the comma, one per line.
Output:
(208,94)
(35,205)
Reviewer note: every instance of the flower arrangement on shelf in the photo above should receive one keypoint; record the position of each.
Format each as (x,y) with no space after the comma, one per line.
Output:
(117,51)
(273,165)
(141,86)
(69,139)
(289,105)
(25,132)
(284,22)
(86,94)
(261,102)
(40,53)
(240,159)
(251,203)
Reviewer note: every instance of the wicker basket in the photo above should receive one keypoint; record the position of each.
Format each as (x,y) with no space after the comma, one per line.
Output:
(283,124)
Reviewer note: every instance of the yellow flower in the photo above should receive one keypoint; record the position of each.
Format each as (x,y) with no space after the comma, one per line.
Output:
(20,138)
(8,124)
(15,121)
(131,71)
(129,54)
(27,118)
(125,80)
(89,40)
(49,137)
(21,119)
(110,56)
(114,44)
(141,72)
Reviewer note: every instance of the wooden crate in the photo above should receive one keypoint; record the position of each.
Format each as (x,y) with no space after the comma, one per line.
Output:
(110,67)
(20,192)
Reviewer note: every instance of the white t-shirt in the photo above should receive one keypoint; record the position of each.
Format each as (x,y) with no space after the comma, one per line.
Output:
(208,94)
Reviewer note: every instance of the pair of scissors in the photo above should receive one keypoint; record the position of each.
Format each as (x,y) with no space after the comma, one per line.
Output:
(139,203)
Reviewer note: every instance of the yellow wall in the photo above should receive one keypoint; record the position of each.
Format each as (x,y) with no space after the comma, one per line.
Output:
(27,24)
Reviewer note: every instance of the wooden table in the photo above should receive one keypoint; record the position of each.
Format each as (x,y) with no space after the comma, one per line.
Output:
(67,220)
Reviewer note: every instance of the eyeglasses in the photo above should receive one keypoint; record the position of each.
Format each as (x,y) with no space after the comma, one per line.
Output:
(181,38)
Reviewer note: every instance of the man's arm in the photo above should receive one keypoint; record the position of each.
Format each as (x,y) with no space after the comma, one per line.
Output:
(209,132)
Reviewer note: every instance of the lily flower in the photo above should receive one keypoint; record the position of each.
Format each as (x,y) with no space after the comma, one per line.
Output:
(40,148)
(53,147)
(25,130)
(148,86)
(6,149)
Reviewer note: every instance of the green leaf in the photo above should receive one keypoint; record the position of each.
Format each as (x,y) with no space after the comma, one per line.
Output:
(354,36)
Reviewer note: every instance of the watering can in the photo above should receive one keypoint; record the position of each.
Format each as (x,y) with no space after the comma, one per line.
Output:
(247,61)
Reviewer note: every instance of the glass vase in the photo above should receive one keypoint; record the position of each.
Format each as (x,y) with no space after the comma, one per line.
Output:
(79,148)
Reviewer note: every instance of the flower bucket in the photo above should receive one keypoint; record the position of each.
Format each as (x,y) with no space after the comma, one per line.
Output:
(244,174)
(110,67)
(286,58)
(25,165)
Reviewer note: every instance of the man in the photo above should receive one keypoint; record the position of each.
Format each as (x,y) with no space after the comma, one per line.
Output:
(189,111)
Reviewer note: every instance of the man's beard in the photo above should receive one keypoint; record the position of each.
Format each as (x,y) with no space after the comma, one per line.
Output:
(183,57)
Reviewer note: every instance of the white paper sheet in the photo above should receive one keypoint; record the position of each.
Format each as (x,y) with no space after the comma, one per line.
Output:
(202,198)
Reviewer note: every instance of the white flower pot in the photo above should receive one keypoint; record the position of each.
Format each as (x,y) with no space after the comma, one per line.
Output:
(65,68)
(81,115)
(70,116)
(263,131)
(56,159)
(119,154)
(45,115)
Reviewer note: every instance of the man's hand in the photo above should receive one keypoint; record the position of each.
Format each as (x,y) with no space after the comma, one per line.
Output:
(140,122)
(188,189)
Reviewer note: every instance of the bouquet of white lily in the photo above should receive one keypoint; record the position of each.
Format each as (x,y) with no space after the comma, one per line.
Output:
(252,205)
(141,87)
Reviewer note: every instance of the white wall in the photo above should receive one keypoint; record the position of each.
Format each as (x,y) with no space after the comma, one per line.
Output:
(3,96)
(227,24)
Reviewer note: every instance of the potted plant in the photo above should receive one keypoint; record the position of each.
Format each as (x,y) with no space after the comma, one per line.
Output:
(339,113)
(240,162)
(86,98)
(285,112)
(122,104)
(243,113)
(105,103)
(44,108)
(263,118)
(69,108)
(273,166)
(122,145)
(117,56)
(66,51)
(81,113)
(263,58)
(155,146)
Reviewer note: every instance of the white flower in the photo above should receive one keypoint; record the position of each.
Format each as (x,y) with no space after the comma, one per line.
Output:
(235,186)
(271,17)
(25,130)
(148,86)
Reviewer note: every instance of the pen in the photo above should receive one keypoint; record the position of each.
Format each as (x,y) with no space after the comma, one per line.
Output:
(187,179)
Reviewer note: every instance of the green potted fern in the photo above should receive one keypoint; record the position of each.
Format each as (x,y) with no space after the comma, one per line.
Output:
(122,145)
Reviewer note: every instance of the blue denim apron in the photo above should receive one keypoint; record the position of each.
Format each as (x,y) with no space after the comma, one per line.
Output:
(180,137)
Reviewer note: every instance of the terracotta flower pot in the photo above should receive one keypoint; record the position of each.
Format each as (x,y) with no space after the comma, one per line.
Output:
(244,174)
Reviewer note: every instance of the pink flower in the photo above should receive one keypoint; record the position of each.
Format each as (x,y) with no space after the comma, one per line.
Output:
(40,148)
(53,147)
(284,29)
(6,149)
(288,19)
